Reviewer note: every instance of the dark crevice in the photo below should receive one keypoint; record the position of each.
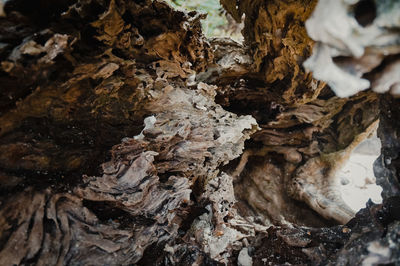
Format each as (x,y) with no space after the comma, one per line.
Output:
(109,211)
(365,12)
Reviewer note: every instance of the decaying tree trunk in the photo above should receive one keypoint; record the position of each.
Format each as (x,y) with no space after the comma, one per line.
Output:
(127,137)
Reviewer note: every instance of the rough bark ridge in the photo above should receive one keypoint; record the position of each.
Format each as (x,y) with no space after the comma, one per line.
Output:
(81,78)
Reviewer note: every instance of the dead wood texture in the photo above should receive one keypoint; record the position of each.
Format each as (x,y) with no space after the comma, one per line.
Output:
(127,137)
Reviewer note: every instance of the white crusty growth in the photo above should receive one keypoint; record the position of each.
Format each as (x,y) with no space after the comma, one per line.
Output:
(338,33)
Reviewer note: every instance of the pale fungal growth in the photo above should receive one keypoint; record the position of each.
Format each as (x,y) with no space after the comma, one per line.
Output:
(353,38)
(244,259)
(342,83)
(148,124)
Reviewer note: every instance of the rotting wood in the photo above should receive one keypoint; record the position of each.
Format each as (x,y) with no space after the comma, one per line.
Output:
(137,78)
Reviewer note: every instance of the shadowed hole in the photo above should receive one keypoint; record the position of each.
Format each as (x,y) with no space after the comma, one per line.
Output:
(365,12)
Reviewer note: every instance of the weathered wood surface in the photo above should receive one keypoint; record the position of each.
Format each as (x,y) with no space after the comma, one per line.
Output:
(123,129)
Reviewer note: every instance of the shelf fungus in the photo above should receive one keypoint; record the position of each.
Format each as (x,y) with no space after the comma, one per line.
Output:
(357,44)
